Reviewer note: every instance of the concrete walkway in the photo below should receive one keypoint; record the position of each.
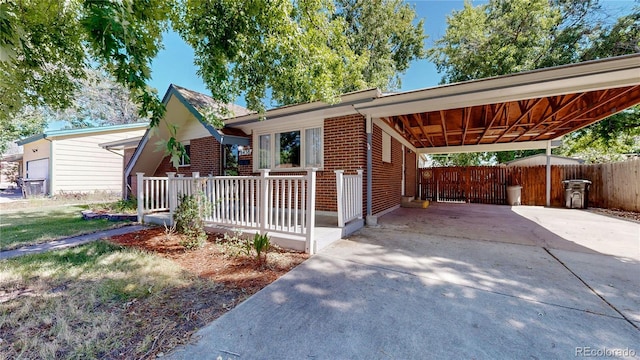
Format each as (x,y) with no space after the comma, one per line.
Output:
(401,291)
(69,242)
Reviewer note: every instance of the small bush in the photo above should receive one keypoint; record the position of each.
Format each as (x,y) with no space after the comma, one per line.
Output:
(188,222)
(261,244)
(237,245)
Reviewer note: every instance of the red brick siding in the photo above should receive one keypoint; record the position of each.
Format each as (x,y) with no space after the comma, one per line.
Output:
(410,171)
(205,158)
(387,177)
(246,170)
(345,146)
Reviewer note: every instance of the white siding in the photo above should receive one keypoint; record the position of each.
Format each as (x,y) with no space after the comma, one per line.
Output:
(80,165)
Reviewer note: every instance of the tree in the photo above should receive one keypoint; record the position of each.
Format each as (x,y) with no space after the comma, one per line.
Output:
(299,51)
(46,44)
(99,101)
(387,34)
(503,37)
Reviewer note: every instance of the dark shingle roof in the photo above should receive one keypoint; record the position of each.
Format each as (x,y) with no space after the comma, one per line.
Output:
(201,102)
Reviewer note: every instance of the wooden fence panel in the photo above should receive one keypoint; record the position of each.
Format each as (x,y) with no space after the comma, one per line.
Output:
(615,185)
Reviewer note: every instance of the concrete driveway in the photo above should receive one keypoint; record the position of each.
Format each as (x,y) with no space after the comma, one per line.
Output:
(450,281)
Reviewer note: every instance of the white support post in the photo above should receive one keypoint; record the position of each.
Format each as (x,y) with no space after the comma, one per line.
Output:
(264,205)
(140,190)
(340,196)
(359,195)
(548,175)
(310,247)
(171,193)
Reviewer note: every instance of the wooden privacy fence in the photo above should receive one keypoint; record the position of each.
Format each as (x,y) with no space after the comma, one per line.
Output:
(614,185)
(475,184)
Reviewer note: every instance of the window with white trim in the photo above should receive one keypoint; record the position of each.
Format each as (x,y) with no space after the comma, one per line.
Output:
(386,147)
(290,150)
(185,159)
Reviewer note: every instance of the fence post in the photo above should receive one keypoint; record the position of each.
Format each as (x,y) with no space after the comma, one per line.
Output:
(264,206)
(171,193)
(310,247)
(139,184)
(340,196)
(359,192)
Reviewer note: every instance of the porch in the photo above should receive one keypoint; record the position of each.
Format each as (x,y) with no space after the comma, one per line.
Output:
(282,206)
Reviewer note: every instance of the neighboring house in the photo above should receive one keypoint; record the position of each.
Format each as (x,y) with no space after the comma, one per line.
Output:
(72,161)
(541,159)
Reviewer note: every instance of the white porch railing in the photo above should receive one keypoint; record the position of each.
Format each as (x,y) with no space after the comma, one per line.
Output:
(349,190)
(275,204)
(153,195)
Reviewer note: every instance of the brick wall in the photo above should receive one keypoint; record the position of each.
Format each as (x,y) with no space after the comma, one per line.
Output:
(345,146)
(205,158)
(246,170)
(387,177)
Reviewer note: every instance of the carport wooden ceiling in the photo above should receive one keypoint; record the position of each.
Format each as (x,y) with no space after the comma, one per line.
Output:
(544,118)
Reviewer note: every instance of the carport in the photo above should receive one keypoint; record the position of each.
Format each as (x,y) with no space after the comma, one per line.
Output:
(523,111)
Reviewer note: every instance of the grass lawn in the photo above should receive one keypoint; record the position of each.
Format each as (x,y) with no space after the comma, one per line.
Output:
(36,225)
(100,300)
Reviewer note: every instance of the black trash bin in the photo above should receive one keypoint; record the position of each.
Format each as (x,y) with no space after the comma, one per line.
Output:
(576,193)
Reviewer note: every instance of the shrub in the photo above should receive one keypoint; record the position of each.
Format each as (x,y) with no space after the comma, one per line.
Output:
(261,244)
(188,222)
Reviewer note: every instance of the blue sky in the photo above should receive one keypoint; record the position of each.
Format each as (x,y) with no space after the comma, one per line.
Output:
(174,64)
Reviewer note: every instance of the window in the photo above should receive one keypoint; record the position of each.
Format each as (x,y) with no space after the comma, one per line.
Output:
(185,159)
(288,150)
(313,147)
(264,152)
(386,147)
(296,149)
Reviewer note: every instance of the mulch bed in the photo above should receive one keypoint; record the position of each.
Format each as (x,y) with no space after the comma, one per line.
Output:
(238,277)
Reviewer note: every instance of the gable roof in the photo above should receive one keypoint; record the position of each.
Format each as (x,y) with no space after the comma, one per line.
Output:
(197,103)
(557,157)
(81,132)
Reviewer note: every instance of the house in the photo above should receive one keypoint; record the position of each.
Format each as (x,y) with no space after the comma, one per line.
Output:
(71,161)
(11,166)
(541,159)
(369,136)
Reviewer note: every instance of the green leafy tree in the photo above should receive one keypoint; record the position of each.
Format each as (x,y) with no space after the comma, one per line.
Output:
(503,37)
(45,46)
(385,32)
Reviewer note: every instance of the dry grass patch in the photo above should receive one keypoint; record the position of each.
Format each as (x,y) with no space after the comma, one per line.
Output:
(135,297)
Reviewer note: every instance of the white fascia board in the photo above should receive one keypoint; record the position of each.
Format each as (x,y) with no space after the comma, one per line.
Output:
(525,145)
(289,122)
(536,84)
(394,134)
(317,108)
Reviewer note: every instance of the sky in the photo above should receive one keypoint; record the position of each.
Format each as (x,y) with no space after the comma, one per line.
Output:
(174,64)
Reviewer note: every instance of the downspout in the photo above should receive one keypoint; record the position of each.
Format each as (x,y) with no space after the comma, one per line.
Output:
(369,130)
(548,175)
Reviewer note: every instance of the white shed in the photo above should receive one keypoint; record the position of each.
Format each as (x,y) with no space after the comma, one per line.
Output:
(541,159)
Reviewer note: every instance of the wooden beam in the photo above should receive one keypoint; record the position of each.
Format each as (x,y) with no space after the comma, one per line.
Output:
(554,113)
(444,127)
(405,122)
(522,116)
(495,116)
(571,117)
(466,111)
(423,128)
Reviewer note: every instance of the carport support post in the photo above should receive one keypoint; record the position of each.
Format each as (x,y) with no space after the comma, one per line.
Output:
(548,175)
(369,129)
